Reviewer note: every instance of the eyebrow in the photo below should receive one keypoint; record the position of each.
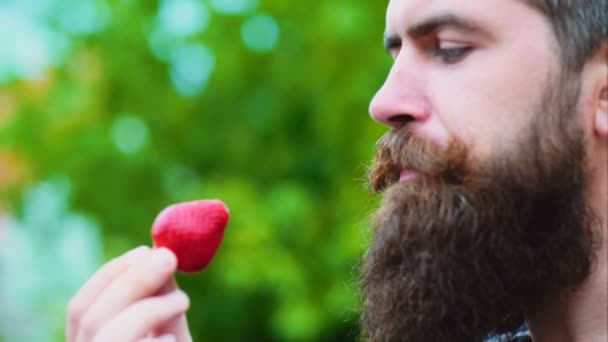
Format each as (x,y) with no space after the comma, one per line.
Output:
(431,25)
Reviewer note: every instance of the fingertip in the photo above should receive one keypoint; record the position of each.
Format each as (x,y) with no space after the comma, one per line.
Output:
(167,254)
(179,300)
(164,260)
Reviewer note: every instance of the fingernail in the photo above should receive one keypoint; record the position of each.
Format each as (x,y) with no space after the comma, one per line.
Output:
(166,338)
(178,299)
(163,257)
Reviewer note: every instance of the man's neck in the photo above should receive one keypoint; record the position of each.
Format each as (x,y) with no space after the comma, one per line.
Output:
(579,315)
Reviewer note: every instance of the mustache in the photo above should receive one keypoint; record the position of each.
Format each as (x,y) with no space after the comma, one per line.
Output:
(400,149)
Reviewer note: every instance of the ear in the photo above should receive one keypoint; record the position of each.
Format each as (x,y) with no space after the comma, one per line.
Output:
(600,94)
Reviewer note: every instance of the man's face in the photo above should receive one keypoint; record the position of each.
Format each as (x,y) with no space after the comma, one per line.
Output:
(484,211)
(468,69)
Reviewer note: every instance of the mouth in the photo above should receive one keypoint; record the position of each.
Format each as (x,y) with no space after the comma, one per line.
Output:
(407,175)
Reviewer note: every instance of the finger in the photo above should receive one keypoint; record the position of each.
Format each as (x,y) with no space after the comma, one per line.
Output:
(169,286)
(177,326)
(137,320)
(143,278)
(94,286)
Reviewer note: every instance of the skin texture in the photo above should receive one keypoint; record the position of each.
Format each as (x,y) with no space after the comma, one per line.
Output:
(488,101)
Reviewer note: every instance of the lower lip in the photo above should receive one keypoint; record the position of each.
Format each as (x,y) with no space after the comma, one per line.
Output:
(407,175)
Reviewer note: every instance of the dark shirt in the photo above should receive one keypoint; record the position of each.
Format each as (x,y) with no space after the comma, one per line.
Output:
(521,335)
(525,338)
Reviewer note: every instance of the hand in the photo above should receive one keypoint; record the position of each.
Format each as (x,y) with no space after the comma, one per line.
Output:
(133,298)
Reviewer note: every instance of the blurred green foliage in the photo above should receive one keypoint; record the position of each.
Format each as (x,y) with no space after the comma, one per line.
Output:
(261,104)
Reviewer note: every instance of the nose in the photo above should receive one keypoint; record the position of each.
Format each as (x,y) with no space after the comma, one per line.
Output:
(400,101)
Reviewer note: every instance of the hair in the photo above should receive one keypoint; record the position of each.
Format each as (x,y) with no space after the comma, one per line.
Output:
(580,26)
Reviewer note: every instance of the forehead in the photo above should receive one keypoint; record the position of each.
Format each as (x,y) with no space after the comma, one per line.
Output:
(494,15)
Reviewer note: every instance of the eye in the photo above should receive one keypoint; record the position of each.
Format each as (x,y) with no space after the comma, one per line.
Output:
(451,53)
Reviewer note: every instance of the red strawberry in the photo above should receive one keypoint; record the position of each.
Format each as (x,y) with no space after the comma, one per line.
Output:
(192,230)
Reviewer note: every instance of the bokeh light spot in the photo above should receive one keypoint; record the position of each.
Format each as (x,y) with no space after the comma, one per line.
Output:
(182,18)
(129,134)
(233,6)
(28,48)
(83,17)
(191,67)
(260,33)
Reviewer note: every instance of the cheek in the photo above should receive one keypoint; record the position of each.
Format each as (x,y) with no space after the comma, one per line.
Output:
(480,118)
(490,100)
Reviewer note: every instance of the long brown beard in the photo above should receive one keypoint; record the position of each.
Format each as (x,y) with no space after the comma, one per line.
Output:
(463,250)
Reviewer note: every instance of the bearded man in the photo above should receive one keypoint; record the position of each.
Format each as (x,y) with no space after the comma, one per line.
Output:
(494,178)
(494,174)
